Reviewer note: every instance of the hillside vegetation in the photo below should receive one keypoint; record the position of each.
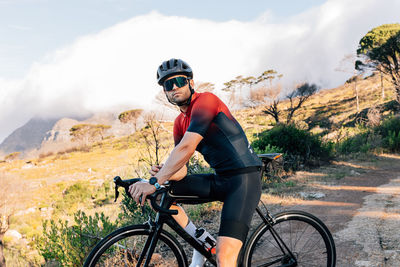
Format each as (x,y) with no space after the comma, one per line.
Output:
(58,185)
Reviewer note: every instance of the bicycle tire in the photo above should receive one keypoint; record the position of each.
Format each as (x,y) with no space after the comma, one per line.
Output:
(123,247)
(305,235)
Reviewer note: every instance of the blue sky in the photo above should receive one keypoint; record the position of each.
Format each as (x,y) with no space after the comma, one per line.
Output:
(64,57)
(29,29)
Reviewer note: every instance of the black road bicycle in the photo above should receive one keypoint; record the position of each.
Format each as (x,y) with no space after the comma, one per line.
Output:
(286,239)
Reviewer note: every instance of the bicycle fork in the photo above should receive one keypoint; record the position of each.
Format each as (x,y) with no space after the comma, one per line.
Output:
(270,221)
(150,245)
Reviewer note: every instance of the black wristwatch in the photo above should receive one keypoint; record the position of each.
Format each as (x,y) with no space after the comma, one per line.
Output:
(153,181)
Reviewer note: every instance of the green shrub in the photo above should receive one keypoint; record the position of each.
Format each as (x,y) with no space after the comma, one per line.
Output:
(390,132)
(69,245)
(299,146)
(386,136)
(103,194)
(197,212)
(391,124)
(352,144)
(392,141)
(77,193)
(198,165)
(267,149)
(132,213)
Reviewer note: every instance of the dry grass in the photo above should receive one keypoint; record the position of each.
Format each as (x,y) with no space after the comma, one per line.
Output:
(327,111)
(46,177)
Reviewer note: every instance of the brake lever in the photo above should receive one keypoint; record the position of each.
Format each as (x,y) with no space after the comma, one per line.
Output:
(116,193)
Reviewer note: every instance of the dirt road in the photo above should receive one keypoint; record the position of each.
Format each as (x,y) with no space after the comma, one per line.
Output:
(363,213)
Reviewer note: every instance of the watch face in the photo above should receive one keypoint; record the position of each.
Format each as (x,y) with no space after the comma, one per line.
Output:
(153,180)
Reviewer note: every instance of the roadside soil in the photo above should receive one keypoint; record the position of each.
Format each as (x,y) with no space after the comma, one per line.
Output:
(358,200)
(362,210)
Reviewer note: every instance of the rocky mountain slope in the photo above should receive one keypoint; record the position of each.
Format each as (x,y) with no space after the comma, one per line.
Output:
(28,136)
(44,135)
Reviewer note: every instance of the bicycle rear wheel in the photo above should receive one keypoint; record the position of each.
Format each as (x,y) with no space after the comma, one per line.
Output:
(308,242)
(123,247)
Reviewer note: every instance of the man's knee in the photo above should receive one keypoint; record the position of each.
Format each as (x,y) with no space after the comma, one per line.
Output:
(228,249)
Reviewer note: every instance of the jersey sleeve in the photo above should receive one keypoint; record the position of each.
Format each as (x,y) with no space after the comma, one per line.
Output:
(203,112)
(177,132)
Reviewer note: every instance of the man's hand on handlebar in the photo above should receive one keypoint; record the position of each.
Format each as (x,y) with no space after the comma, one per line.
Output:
(140,190)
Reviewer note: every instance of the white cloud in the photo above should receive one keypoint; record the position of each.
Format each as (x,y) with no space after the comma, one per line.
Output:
(20,27)
(117,66)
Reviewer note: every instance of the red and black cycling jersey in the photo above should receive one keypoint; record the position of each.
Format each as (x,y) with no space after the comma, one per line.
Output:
(224,146)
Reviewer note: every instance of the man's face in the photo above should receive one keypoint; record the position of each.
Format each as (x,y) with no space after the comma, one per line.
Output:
(179,94)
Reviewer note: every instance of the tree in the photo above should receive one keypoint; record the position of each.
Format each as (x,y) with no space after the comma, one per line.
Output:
(231,88)
(151,136)
(380,49)
(272,108)
(268,75)
(299,95)
(345,63)
(202,87)
(130,116)
(87,133)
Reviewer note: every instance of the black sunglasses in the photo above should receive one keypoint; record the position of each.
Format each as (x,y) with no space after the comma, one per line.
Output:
(178,81)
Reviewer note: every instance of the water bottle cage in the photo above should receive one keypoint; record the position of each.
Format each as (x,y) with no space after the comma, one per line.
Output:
(206,240)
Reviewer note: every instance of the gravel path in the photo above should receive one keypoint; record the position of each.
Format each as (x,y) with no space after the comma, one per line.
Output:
(373,235)
(363,213)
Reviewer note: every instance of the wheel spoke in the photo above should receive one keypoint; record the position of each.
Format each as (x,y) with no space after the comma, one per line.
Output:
(124,249)
(304,235)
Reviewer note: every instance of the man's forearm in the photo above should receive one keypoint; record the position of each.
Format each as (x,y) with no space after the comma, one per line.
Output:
(179,174)
(178,158)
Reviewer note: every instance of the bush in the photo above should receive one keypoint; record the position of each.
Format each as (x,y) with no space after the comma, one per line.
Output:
(197,165)
(391,124)
(300,146)
(386,135)
(132,213)
(363,142)
(267,149)
(77,193)
(390,132)
(69,245)
(392,141)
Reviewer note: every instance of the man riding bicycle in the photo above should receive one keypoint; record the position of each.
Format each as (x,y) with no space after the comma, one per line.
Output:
(206,125)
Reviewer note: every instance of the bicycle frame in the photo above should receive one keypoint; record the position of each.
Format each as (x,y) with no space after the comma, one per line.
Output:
(155,229)
(166,218)
(162,218)
(253,247)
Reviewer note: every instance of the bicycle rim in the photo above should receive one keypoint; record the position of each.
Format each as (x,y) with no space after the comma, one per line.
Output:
(124,247)
(308,239)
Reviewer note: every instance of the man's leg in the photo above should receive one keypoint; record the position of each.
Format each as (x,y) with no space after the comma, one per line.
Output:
(181,218)
(228,249)
(243,192)
(196,185)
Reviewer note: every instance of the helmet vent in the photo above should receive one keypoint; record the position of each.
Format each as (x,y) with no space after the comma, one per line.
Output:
(173,67)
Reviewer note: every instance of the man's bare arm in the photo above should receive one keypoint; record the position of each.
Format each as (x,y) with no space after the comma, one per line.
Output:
(179,174)
(179,157)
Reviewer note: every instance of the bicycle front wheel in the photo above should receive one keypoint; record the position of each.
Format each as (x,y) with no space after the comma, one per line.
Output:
(124,246)
(297,239)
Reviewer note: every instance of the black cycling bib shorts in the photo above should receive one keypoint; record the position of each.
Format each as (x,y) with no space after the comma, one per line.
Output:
(225,147)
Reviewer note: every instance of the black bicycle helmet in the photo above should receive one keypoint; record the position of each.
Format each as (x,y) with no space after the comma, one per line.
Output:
(173,67)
